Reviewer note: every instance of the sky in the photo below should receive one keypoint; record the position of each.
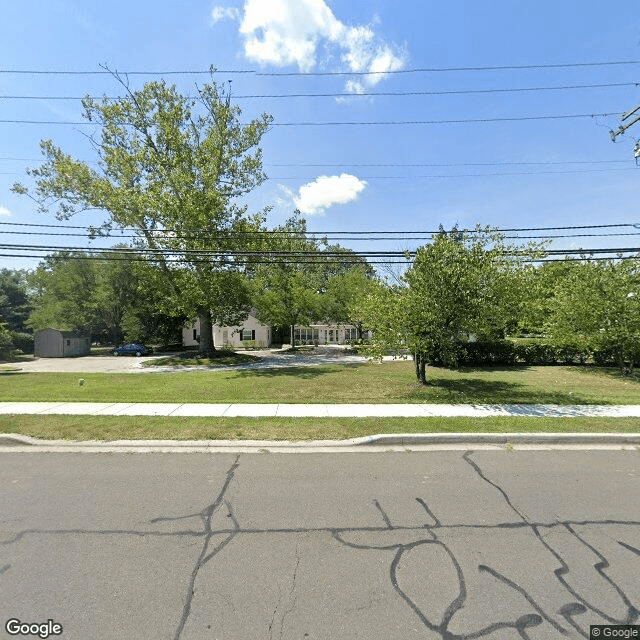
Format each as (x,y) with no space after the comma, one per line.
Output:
(416,113)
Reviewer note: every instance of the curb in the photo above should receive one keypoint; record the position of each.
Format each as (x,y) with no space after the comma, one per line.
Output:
(19,440)
(502,438)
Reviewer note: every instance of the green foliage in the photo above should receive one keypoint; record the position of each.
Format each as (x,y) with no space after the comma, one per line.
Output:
(77,291)
(22,341)
(383,310)
(6,343)
(286,291)
(460,284)
(15,304)
(599,303)
(343,293)
(172,168)
(497,352)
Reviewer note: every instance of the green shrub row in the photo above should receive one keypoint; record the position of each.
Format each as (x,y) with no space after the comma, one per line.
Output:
(531,352)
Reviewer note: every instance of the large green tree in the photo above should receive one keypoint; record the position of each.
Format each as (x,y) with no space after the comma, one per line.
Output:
(343,295)
(461,284)
(598,303)
(286,285)
(174,169)
(85,291)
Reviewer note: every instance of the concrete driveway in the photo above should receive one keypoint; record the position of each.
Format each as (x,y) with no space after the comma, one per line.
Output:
(85,364)
(128,364)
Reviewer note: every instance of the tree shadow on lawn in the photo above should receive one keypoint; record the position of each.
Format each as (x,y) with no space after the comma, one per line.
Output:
(310,372)
(478,391)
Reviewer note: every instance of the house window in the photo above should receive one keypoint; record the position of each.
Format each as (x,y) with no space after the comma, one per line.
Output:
(195,334)
(303,334)
(350,333)
(68,343)
(247,334)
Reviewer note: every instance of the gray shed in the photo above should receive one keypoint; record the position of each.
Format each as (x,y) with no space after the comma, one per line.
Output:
(56,343)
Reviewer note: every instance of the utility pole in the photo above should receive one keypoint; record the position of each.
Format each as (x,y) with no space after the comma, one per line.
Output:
(622,128)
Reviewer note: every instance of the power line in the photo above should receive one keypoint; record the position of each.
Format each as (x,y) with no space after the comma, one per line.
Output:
(360,238)
(367,94)
(441,176)
(320,73)
(571,116)
(335,233)
(297,253)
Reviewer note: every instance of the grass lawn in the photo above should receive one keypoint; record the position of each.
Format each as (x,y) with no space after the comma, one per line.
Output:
(163,428)
(391,382)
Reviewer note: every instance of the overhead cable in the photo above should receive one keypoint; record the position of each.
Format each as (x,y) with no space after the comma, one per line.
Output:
(567,87)
(571,116)
(339,233)
(255,72)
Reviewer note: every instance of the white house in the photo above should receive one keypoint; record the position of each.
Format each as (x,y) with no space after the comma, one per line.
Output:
(264,336)
(251,330)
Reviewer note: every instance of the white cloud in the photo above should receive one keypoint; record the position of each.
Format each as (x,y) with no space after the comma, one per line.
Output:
(224,13)
(291,32)
(4,212)
(325,191)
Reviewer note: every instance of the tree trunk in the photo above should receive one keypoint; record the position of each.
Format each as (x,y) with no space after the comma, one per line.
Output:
(421,363)
(206,332)
(293,337)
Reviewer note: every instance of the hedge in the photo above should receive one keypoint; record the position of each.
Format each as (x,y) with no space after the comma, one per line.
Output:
(530,352)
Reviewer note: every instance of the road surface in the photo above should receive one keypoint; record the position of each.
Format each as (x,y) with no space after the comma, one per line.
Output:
(406,545)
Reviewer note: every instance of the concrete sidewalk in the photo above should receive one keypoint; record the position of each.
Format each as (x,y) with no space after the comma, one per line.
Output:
(317,410)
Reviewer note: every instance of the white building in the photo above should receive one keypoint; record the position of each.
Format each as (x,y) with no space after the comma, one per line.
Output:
(254,333)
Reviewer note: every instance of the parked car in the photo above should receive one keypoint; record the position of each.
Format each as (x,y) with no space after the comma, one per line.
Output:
(133,349)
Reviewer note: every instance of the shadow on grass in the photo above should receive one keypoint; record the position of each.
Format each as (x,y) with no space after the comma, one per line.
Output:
(310,372)
(609,372)
(12,373)
(478,391)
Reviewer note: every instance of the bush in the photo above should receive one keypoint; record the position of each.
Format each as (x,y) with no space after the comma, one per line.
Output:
(494,352)
(608,355)
(530,352)
(22,341)
(6,344)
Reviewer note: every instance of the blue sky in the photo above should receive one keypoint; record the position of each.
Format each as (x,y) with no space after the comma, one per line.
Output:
(508,173)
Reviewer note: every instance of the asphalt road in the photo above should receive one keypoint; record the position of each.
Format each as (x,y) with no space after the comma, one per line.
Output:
(416,545)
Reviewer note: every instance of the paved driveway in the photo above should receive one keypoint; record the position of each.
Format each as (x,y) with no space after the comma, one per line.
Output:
(86,364)
(127,364)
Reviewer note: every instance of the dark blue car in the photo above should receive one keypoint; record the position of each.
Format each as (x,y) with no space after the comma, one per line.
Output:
(133,349)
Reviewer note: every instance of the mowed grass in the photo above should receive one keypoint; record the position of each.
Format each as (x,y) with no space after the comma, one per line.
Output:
(391,382)
(54,427)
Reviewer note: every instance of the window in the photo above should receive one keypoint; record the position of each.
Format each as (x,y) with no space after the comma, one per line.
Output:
(195,334)
(304,334)
(68,343)
(247,334)
(350,333)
